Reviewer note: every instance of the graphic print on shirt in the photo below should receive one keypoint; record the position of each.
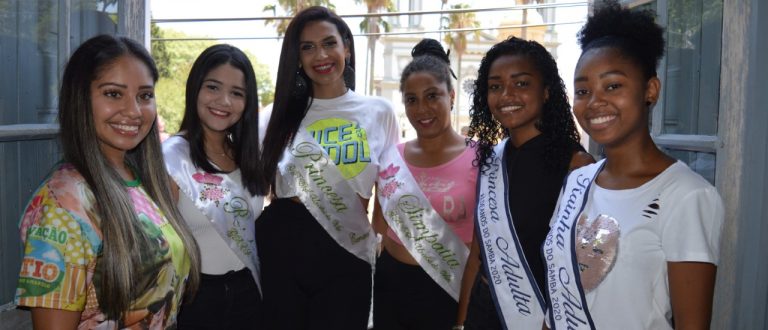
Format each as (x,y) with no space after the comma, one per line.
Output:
(597,245)
(345,142)
(439,190)
(60,268)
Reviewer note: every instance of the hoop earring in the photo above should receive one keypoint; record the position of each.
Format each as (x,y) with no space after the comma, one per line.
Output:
(301,84)
(349,75)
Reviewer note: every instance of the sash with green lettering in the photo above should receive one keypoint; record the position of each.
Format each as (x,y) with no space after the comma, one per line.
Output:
(328,196)
(518,300)
(425,234)
(228,205)
(567,304)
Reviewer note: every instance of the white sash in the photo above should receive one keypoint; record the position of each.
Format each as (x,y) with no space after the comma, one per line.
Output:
(327,195)
(228,205)
(568,306)
(517,297)
(434,245)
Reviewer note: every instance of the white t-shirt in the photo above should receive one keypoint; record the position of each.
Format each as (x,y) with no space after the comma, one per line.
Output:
(354,130)
(677,216)
(218,257)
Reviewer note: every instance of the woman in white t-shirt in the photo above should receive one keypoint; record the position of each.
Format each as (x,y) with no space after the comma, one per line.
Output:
(635,241)
(321,155)
(214,162)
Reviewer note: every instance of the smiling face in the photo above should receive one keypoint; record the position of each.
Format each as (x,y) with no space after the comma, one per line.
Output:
(610,97)
(427,104)
(221,100)
(516,94)
(322,55)
(123,104)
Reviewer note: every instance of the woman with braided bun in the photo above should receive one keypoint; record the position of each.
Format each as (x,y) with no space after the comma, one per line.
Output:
(635,241)
(527,143)
(430,181)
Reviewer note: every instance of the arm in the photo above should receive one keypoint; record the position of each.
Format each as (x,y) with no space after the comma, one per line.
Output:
(470,272)
(579,159)
(379,224)
(691,287)
(174,190)
(54,319)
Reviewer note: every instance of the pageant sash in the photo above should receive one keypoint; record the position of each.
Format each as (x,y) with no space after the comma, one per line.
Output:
(429,239)
(227,204)
(518,300)
(568,306)
(328,196)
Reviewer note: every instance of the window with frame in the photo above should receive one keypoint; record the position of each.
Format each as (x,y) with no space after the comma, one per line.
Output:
(36,39)
(684,121)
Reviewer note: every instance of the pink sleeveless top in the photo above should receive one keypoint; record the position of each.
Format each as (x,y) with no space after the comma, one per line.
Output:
(450,188)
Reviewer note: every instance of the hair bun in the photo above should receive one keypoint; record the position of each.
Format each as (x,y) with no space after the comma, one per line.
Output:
(611,20)
(430,47)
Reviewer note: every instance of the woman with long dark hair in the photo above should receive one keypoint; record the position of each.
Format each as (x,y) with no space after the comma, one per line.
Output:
(527,143)
(635,240)
(321,155)
(214,162)
(105,246)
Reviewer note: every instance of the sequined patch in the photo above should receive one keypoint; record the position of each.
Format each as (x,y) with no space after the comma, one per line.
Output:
(597,245)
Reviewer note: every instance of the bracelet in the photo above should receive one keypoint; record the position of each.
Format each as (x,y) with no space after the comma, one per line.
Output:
(458,327)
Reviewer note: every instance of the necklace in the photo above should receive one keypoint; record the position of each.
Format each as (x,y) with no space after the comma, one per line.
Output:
(208,151)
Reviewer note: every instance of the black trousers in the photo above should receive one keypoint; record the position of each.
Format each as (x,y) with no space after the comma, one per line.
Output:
(481,312)
(228,301)
(406,298)
(310,282)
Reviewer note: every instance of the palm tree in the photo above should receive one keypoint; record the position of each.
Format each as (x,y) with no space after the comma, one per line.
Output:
(457,41)
(291,8)
(374,25)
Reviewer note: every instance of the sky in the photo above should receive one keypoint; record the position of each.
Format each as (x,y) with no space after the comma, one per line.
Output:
(267,51)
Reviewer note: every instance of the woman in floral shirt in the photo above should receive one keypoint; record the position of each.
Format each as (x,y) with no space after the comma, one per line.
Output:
(104,247)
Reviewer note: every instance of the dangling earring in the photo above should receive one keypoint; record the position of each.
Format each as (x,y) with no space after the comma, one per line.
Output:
(301,84)
(349,75)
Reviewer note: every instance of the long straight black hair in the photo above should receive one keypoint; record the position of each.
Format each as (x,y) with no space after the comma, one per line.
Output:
(243,136)
(119,263)
(290,107)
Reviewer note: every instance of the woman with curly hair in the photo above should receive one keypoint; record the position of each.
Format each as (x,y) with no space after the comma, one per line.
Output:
(527,143)
(641,226)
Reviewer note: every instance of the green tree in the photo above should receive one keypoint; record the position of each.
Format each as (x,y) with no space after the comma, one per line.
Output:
(174,59)
(457,41)
(291,8)
(374,25)
(263,80)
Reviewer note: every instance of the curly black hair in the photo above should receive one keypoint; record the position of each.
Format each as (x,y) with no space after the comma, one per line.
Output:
(556,122)
(634,33)
(429,55)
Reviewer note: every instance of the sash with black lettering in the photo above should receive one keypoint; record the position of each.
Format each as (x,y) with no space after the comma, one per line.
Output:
(518,300)
(328,196)
(429,239)
(567,304)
